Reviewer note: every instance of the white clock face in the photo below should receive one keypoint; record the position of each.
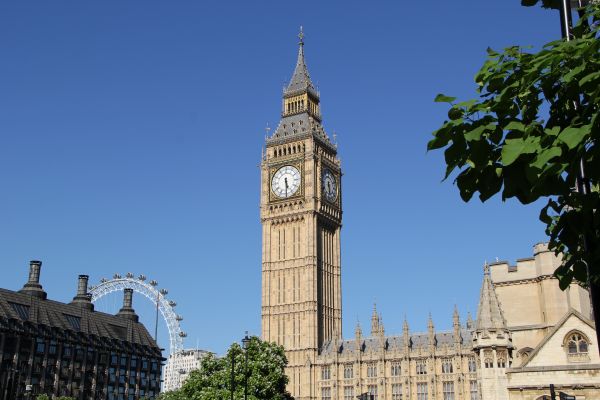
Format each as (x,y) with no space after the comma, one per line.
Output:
(329,185)
(286,181)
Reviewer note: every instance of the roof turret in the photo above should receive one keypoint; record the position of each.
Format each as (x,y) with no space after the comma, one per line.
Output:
(301,113)
(374,321)
(489,313)
(300,81)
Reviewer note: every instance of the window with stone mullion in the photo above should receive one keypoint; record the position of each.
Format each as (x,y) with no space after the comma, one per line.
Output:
(348,393)
(422,391)
(474,391)
(448,390)
(396,391)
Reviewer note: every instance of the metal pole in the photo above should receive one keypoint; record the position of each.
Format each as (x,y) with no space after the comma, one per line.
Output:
(583,184)
(15,383)
(232,374)
(246,378)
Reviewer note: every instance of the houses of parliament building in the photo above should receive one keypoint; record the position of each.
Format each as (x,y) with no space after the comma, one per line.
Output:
(527,334)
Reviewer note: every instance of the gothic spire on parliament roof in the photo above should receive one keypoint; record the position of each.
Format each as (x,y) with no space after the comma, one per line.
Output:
(300,81)
(489,313)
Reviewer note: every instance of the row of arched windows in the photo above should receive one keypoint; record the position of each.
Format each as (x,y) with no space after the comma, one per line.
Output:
(295,106)
(288,150)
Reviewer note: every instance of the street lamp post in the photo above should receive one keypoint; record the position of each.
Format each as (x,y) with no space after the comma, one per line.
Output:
(246,345)
(232,374)
(14,384)
(583,184)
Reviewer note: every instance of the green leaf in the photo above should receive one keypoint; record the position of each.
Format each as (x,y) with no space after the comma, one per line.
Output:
(573,137)
(475,134)
(529,3)
(568,77)
(514,148)
(554,131)
(515,126)
(442,98)
(441,138)
(455,113)
(491,52)
(589,77)
(545,156)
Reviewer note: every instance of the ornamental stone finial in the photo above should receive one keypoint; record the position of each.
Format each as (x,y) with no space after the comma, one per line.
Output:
(301,36)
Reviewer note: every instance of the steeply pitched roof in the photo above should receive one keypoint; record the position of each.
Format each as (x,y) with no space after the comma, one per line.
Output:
(20,310)
(559,325)
(394,343)
(294,127)
(489,312)
(300,81)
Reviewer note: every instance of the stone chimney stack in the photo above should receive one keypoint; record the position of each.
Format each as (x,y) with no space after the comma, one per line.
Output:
(33,287)
(127,310)
(83,298)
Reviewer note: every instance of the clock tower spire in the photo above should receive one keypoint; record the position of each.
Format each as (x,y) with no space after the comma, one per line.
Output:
(301,216)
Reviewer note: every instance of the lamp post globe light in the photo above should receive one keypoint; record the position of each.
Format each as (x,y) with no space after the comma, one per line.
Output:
(246,346)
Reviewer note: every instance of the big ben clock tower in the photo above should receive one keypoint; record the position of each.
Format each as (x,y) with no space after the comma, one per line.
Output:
(301,215)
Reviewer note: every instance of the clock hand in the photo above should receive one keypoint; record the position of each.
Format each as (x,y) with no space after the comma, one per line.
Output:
(286,186)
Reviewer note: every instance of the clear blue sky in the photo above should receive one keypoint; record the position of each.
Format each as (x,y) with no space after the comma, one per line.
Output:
(131,131)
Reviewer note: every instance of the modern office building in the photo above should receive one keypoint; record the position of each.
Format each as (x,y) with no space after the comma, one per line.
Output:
(179,365)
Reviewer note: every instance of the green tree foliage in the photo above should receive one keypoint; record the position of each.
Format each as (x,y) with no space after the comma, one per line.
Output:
(265,374)
(524,137)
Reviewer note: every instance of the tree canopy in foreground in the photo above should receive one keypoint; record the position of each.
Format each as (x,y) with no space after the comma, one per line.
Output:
(535,118)
(265,374)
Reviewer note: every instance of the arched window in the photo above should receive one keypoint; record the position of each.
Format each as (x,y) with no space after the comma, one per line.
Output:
(447,366)
(525,352)
(472,365)
(488,363)
(577,345)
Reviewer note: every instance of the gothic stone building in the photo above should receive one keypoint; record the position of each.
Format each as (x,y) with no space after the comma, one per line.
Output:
(72,350)
(552,334)
(527,334)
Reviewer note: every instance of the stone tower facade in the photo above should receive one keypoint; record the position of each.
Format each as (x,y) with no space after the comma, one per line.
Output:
(301,215)
(492,341)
